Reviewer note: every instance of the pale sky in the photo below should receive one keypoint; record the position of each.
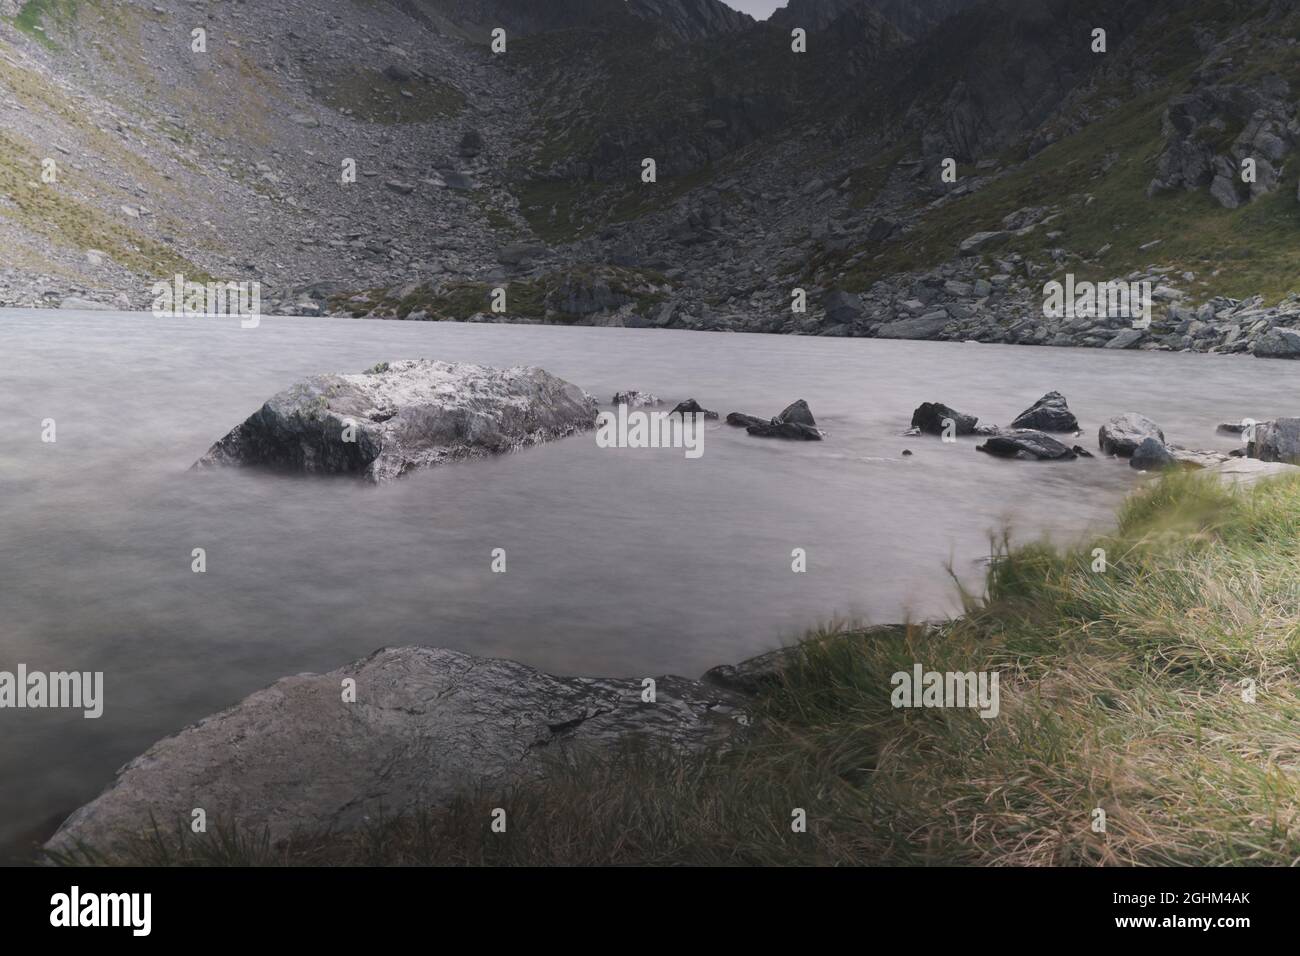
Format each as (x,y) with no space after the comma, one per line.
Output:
(761,9)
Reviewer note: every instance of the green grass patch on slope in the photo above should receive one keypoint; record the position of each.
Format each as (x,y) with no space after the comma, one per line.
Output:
(35,16)
(1120,690)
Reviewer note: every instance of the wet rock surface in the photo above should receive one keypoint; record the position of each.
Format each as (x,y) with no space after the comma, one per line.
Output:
(1050,413)
(1028,445)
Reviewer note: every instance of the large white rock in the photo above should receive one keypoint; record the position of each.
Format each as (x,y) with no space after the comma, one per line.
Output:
(403,415)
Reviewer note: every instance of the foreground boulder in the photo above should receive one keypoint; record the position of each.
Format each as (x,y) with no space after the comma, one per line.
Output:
(1028,445)
(1276,441)
(427,725)
(1049,414)
(1122,434)
(403,415)
(930,418)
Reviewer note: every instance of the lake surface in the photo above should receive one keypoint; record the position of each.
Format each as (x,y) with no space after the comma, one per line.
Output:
(620,562)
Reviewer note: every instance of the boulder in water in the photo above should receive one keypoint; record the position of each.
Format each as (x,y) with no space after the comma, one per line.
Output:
(1049,414)
(930,418)
(403,415)
(1122,434)
(692,407)
(1028,445)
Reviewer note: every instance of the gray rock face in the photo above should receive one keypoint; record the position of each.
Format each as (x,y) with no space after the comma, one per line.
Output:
(1152,455)
(842,308)
(1049,414)
(929,417)
(1125,339)
(1277,441)
(427,724)
(1278,343)
(1122,434)
(982,241)
(921,327)
(1249,471)
(404,415)
(1028,445)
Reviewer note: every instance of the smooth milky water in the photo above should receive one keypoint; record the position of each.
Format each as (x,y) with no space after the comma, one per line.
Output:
(620,562)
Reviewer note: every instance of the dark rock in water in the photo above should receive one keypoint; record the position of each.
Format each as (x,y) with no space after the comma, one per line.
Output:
(776,429)
(692,407)
(634,399)
(1122,434)
(1049,414)
(1027,444)
(404,415)
(1231,428)
(741,420)
(1152,455)
(795,421)
(1276,441)
(396,73)
(1081,451)
(929,417)
(797,413)
(428,725)
(907,453)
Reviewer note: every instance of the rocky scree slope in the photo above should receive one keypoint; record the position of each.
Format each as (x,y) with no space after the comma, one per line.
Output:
(777,171)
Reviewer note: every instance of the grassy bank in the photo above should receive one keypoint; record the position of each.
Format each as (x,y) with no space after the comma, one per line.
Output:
(1120,690)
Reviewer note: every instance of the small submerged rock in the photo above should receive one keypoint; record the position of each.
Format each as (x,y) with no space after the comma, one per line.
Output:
(403,415)
(692,407)
(1028,445)
(634,399)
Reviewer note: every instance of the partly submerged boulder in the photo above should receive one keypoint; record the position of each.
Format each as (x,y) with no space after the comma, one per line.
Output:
(795,421)
(426,725)
(1049,414)
(403,415)
(692,407)
(1027,444)
(741,420)
(932,418)
(1122,434)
